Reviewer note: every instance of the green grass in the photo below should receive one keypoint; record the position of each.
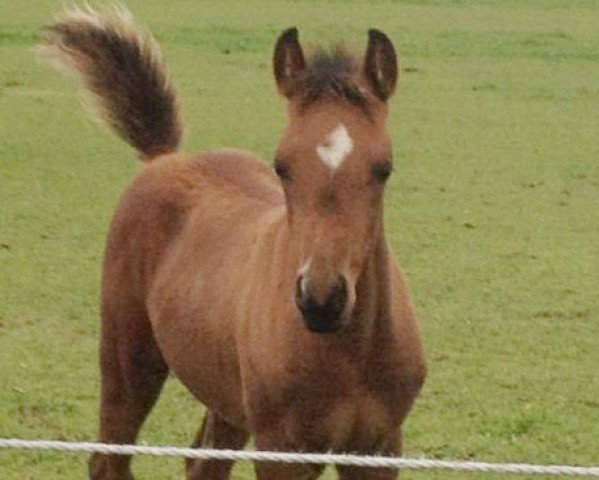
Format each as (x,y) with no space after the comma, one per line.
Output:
(493,211)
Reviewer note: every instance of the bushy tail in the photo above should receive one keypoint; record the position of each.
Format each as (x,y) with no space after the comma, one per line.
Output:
(122,66)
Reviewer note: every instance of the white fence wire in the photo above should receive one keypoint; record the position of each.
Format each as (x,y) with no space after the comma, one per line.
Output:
(288,457)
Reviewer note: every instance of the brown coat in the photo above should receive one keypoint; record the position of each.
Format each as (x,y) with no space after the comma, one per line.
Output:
(276,301)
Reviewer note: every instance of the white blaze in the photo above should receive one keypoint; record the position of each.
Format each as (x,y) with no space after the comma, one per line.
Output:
(337,147)
(302,274)
(304,268)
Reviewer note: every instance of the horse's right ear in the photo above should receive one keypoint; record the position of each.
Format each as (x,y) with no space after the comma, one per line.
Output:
(288,62)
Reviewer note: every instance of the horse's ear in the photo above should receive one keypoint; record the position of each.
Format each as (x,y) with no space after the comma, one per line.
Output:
(380,65)
(288,62)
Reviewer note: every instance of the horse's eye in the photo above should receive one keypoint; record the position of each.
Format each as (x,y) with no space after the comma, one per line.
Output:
(282,171)
(381,171)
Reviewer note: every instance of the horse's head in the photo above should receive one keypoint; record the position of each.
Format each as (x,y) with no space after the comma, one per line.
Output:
(333,161)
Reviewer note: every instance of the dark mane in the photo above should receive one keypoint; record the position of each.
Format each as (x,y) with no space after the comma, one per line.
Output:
(332,76)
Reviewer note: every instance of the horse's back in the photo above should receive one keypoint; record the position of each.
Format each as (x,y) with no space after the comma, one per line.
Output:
(187,182)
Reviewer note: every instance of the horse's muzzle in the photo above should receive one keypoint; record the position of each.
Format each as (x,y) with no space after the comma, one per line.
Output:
(326,316)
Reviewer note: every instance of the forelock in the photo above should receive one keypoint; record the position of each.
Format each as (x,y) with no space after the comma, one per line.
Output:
(331,76)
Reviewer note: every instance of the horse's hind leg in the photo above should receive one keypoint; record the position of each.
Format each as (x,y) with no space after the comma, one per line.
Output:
(274,440)
(215,433)
(133,372)
(391,447)
(364,473)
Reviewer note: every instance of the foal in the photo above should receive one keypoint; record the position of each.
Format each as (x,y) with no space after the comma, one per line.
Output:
(272,294)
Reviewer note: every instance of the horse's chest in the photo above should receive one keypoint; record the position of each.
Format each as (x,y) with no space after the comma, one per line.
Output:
(356,422)
(336,404)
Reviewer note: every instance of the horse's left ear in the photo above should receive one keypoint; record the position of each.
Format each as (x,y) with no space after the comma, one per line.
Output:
(288,62)
(380,65)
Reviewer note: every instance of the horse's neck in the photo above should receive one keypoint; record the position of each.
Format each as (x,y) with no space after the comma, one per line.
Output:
(373,296)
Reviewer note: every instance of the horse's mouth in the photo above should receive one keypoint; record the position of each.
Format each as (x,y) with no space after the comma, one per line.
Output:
(323,322)
(323,325)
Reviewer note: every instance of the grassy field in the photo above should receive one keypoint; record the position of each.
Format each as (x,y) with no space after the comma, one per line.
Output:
(493,211)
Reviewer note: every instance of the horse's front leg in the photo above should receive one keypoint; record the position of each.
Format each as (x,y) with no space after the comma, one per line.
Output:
(390,446)
(275,441)
(290,471)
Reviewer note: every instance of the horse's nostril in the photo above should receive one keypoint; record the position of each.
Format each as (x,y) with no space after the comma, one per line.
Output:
(338,297)
(303,298)
(300,285)
(341,285)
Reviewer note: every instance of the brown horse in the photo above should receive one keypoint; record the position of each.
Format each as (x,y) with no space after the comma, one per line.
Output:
(272,294)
